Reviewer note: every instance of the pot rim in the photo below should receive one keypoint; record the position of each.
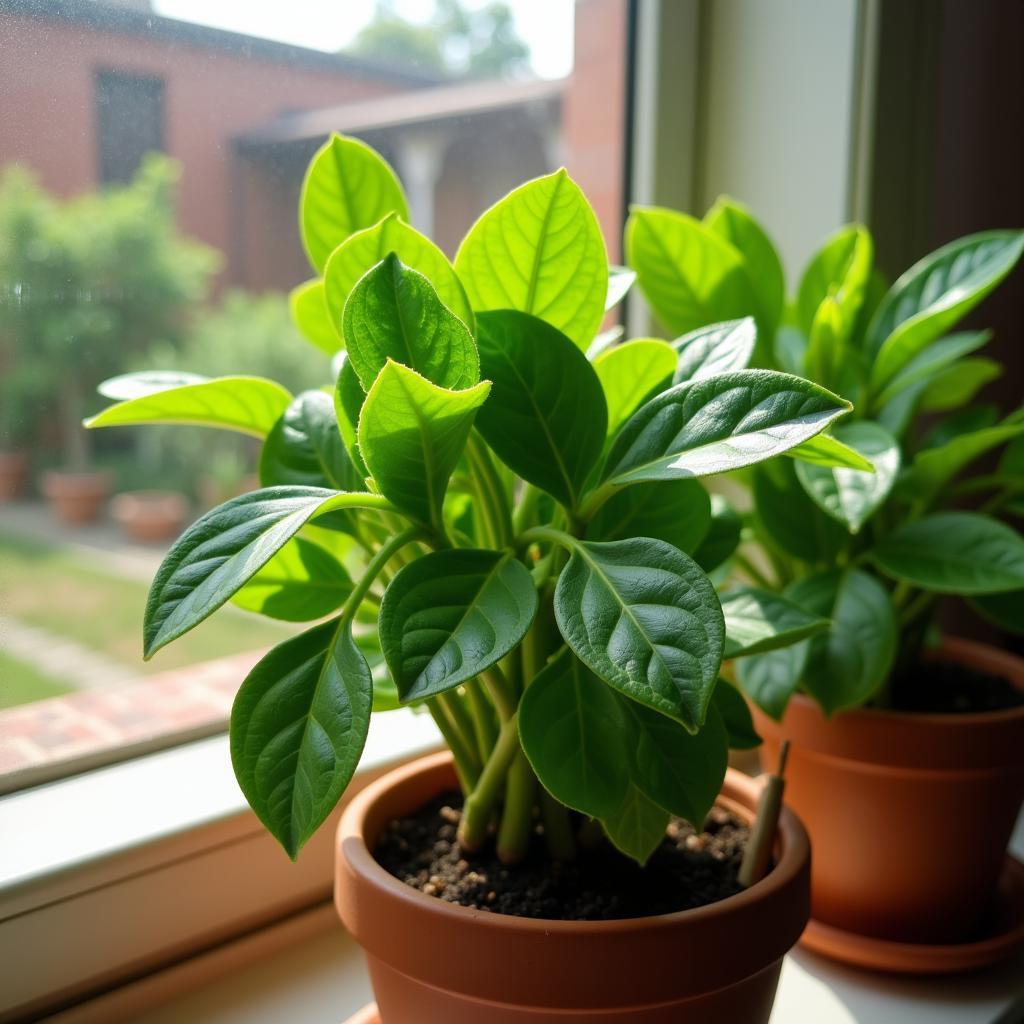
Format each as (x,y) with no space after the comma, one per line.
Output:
(795,852)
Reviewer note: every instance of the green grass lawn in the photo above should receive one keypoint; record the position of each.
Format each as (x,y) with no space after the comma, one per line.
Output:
(21,683)
(70,595)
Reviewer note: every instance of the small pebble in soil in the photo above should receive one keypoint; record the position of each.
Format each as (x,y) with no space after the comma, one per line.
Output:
(687,870)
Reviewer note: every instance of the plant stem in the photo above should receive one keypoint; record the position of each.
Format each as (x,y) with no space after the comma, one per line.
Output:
(455,706)
(523,517)
(492,491)
(466,767)
(557,827)
(517,816)
(482,713)
(595,500)
(483,797)
(374,567)
(755,574)
(501,692)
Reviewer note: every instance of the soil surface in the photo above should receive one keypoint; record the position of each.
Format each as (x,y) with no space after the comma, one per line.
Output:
(688,870)
(947,688)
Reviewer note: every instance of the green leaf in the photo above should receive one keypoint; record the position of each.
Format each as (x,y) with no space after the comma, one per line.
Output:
(540,251)
(719,424)
(645,618)
(827,353)
(348,405)
(934,294)
(451,614)
(851,496)
(770,679)
(734,222)
(302,582)
(956,385)
(679,771)
(637,826)
(933,468)
(849,662)
(394,313)
(546,417)
(930,360)
(689,274)
(365,249)
(222,550)
(1005,610)
(251,405)
(736,717)
(305,447)
(675,511)
(758,620)
(710,351)
(630,373)
(411,435)
(840,270)
(954,553)
(825,450)
(574,736)
(620,280)
(146,382)
(309,311)
(347,187)
(298,727)
(722,537)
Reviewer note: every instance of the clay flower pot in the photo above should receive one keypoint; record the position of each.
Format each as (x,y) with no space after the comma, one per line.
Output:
(77,498)
(432,962)
(13,472)
(910,814)
(150,515)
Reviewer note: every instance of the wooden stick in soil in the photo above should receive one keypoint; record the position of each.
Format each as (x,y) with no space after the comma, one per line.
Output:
(758,853)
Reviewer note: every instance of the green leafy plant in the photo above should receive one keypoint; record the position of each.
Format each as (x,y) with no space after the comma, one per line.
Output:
(503,533)
(896,516)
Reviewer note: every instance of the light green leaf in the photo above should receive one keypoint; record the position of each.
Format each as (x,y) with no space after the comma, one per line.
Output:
(365,249)
(826,450)
(546,415)
(930,360)
(710,351)
(954,553)
(451,614)
(675,511)
(540,251)
(630,373)
(620,280)
(147,382)
(758,620)
(689,274)
(637,826)
(840,270)
(719,424)
(645,618)
(851,496)
(933,468)
(736,717)
(411,435)
(250,405)
(574,736)
(934,294)
(309,311)
(347,187)
(298,727)
(394,313)
(954,386)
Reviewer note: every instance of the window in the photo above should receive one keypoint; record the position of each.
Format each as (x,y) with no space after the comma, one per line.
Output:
(129,122)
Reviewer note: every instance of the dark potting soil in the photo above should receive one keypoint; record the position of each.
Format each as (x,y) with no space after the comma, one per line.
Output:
(688,870)
(947,688)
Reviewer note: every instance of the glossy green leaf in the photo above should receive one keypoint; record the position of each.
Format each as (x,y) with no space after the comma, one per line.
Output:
(302,582)
(956,385)
(690,275)
(675,511)
(710,351)
(934,294)
(637,826)
(298,727)
(954,553)
(546,417)
(451,614)
(722,537)
(734,222)
(840,270)
(826,350)
(540,251)
(251,405)
(365,249)
(645,618)
(852,496)
(933,468)
(930,360)
(1005,610)
(620,280)
(758,620)
(852,659)
(347,187)
(348,405)
(222,550)
(411,435)
(770,679)
(631,373)
(146,382)
(394,313)
(309,311)
(719,424)
(574,735)
(736,717)
(826,450)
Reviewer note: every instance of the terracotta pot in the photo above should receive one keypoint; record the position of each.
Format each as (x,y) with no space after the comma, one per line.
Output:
(76,497)
(13,473)
(432,962)
(150,515)
(910,814)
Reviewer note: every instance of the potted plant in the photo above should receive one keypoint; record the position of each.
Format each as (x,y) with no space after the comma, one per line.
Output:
(529,548)
(908,744)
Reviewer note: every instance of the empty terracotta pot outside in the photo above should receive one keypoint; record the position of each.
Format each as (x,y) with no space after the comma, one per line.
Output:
(76,497)
(13,472)
(432,962)
(910,814)
(150,515)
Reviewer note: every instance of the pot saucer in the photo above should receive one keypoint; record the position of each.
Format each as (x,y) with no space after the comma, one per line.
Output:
(1002,933)
(367,1015)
